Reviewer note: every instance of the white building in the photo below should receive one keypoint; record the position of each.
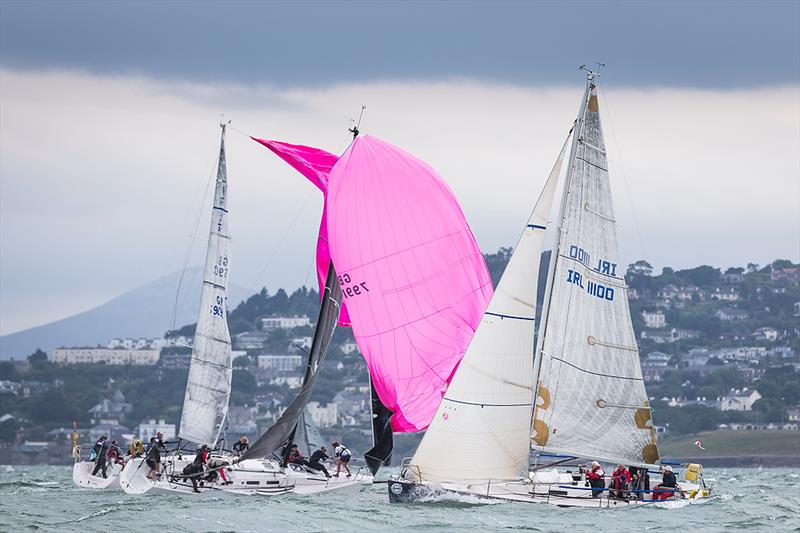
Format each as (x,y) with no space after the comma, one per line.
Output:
(149,428)
(280,363)
(303,342)
(284,322)
(348,348)
(293,382)
(323,417)
(654,320)
(109,356)
(765,334)
(742,400)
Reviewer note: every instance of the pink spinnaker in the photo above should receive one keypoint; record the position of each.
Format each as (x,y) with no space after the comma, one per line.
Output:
(414,280)
(314,164)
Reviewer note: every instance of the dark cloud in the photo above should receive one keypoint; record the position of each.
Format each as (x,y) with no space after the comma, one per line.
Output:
(697,44)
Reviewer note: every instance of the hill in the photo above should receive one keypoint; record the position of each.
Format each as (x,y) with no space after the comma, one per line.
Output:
(731,444)
(145,311)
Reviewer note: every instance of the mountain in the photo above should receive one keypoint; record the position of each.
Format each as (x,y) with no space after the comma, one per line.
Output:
(145,311)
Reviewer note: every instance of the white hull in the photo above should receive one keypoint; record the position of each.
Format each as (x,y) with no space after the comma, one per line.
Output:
(82,476)
(547,487)
(250,477)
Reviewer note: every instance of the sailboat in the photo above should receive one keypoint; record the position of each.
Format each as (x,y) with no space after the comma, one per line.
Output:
(263,468)
(414,280)
(208,388)
(553,366)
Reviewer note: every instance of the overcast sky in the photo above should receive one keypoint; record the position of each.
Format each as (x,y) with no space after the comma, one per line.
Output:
(109,112)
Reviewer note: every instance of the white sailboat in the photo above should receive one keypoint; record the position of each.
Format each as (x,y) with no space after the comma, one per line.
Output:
(572,386)
(208,387)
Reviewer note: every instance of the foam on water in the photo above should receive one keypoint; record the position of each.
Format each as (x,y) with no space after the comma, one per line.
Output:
(44,497)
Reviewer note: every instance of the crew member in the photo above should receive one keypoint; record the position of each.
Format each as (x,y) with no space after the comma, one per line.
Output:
(668,486)
(596,477)
(194,469)
(342,455)
(153,459)
(102,458)
(241,446)
(620,480)
(315,462)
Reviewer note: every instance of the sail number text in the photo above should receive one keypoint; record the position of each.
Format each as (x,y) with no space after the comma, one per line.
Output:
(351,288)
(221,266)
(597,290)
(218,307)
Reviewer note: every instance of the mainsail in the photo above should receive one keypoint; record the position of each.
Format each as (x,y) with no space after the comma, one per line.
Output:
(283,429)
(414,280)
(487,407)
(591,400)
(208,388)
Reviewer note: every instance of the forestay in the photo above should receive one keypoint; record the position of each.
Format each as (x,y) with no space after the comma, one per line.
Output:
(591,399)
(282,430)
(414,280)
(486,411)
(315,165)
(208,388)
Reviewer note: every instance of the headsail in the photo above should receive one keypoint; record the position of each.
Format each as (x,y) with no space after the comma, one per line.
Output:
(208,388)
(486,410)
(414,280)
(315,165)
(283,428)
(307,437)
(591,399)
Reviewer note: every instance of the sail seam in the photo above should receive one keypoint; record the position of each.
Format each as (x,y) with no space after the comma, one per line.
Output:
(510,316)
(594,373)
(536,226)
(590,163)
(489,404)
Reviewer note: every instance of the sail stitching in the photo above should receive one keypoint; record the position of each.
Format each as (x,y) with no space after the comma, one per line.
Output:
(593,373)
(510,316)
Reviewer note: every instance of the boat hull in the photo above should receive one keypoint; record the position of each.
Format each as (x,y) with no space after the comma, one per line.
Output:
(405,491)
(82,476)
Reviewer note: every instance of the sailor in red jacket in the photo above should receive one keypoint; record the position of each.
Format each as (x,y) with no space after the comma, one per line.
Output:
(596,477)
(620,480)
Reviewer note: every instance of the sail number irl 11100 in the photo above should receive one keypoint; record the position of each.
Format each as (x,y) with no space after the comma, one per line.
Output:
(351,288)
(597,290)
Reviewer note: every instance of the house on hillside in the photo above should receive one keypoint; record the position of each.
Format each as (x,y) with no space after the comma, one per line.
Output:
(733,278)
(789,274)
(766,333)
(739,400)
(110,410)
(725,294)
(730,314)
(149,428)
(250,340)
(654,320)
(284,322)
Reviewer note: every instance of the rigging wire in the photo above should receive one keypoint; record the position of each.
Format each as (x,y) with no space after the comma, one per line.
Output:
(192,238)
(622,168)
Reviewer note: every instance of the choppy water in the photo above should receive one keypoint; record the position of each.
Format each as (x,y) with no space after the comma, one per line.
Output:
(44,498)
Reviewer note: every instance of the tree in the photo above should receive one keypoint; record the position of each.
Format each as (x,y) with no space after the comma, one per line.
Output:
(38,359)
(7,370)
(752,267)
(700,276)
(640,268)
(781,263)
(734,270)
(242,361)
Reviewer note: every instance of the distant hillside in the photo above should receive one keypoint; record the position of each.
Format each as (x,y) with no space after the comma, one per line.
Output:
(145,311)
(731,443)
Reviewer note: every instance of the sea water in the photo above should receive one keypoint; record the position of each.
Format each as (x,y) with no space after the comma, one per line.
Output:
(44,498)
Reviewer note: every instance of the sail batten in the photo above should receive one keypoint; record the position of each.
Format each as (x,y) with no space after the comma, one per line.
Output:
(208,387)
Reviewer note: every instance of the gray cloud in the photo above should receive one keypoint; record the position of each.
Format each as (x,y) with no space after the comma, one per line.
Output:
(102,177)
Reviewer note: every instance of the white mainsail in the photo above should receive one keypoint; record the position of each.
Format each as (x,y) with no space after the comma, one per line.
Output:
(485,413)
(208,388)
(591,400)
